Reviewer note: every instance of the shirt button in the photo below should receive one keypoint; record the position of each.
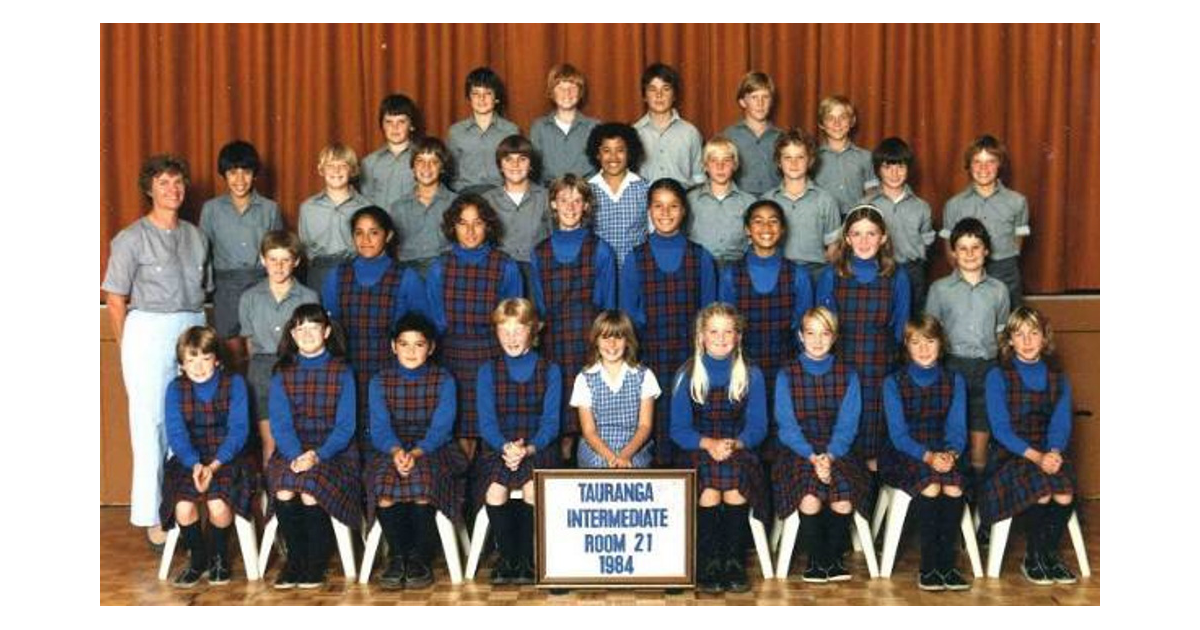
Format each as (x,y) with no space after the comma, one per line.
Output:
(277,328)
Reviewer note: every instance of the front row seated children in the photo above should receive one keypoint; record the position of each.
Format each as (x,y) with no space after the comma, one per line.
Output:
(1029,406)
(314,472)
(463,286)
(411,472)
(573,277)
(817,406)
(926,414)
(665,281)
(718,419)
(520,408)
(615,397)
(206,422)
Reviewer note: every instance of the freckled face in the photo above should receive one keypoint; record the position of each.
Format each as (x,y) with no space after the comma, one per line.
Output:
(515,338)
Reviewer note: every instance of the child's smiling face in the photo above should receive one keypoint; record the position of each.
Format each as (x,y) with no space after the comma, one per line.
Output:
(817,338)
(199,366)
(568,207)
(483,100)
(865,238)
(310,337)
(720,336)
(515,168)
(336,174)
(837,123)
(666,212)
(470,230)
(970,254)
(612,348)
(614,157)
(793,162)
(412,349)
(923,350)
(240,182)
(515,338)
(370,238)
(985,169)
(893,175)
(660,96)
(427,169)
(397,128)
(1028,342)
(765,228)
(566,95)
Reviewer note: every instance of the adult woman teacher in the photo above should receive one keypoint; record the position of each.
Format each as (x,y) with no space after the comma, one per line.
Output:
(155,284)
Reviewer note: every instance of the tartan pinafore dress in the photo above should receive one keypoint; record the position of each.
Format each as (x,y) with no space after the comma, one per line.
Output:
(470,293)
(208,423)
(817,400)
(366,319)
(721,418)
(335,483)
(925,412)
(866,343)
(435,477)
(1017,483)
(567,289)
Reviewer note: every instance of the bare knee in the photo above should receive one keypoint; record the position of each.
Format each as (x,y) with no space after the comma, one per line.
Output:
(710,497)
(810,505)
(219,513)
(1063,499)
(186,513)
(841,507)
(527,493)
(385,502)
(1044,501)
(953,492)
(496,495)
(733,497)
(285,495)
(307,499)
(932,490)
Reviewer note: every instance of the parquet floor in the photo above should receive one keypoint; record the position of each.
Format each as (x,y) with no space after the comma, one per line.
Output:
(128,576)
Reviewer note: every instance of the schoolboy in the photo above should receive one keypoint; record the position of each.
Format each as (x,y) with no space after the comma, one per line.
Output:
(843,169)
(718,205)
(561,136)
(813,222)
(673,146)
(522,205)
(234,224)
(1004,212)
(387,173)
(325,217)
(973,307)
(909,219)
(418,214)
(473,140)
(755,134)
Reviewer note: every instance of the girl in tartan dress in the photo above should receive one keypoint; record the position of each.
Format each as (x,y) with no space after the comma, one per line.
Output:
(718,418)
(665,281)
(314,472)
(870,296)
(926,408)
(1029,409)
(411,471)
(207,421)
(573,275)
(615,397)
(817,406)
(520,409)
(365,297)
(463,286)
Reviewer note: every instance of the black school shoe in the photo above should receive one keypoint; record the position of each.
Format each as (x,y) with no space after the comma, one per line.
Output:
(314,577)
(1057,570)
(503,572)
(523,573)
(392,578)
(1034,572)
(735,580)
(814,574)
(287,577)
(218,571)
(188,577)
(837,572)
(954,580)
(417,574)
(711,576)
(930,581)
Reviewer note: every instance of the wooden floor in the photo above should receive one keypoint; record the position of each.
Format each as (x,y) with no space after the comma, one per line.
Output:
(128,576)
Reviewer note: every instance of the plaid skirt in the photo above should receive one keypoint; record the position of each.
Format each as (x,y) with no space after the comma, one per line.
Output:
(872,427)
(1017,484)
(742,472)
(489,468)
(435,478)
(794,477)
(234,483)
(905,473)
(334,484)
(463,356)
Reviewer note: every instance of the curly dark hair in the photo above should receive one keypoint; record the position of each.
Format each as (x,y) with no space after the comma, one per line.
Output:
(609,130)
(495,229)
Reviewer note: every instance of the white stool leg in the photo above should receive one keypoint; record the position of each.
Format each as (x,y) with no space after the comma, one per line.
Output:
(345,548)
(787,544)
(867,544)
(881,508)
(370,550)
(164,566)
(1085,567)
(477,538)
(897,512)
(464,539)
(998,539)
(248,541)
(759,533)
(264,552)
(776,534)
(450,547)
(968,531)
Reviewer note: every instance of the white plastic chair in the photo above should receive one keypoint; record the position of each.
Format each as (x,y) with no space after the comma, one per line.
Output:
(895,502)
(759,532)
(789,530)
(247,540)
(340,531)
(999,538)
(450,544)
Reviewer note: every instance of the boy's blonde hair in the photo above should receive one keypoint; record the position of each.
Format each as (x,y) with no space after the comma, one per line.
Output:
(721,146)
(1025,316)
(739,379)
(753,81)
(338,152)
(521,310)
(827,105)
(613,323)
(566,72)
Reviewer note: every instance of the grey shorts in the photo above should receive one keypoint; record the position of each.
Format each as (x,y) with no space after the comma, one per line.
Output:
(974,372)
(258,378)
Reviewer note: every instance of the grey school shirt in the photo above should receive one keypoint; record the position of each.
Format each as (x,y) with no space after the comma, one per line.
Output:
(909,223)
(971,315)
(1005,214)
(562,153)
(263,318)
(717,224)
(757,172)
(235,237)
(387,177)
(474,151)
(325,227)
(676,152)
(846,175)
(525,225)
(813,223)
(420,226)
(161,271)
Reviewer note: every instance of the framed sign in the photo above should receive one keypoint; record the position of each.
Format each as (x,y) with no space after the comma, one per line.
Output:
(624,528)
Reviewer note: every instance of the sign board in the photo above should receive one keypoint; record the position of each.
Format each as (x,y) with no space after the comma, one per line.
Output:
(631,527)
